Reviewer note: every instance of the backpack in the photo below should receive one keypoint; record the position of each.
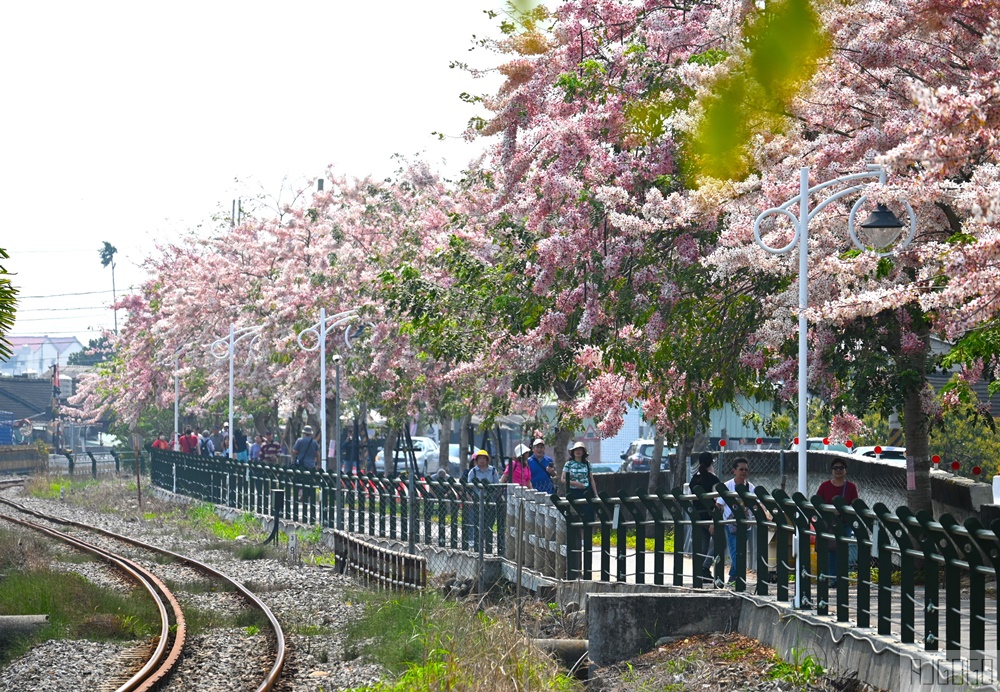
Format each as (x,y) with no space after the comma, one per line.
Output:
(204,448)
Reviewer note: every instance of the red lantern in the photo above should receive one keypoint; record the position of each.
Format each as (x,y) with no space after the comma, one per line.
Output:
(936,459)
(976,470)
(955,466)
(796,440)
(722,443)
(760,440)
(878,449)
(826,440)
(849,444)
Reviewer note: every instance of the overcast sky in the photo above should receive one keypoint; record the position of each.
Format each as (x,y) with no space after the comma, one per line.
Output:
(131,122)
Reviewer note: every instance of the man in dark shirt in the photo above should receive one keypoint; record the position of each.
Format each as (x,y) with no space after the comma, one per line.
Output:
(705,479)
(270,450)
(240,445)
(305,451)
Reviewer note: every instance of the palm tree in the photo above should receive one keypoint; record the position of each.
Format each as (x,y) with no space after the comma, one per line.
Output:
(108,257)
(8,306)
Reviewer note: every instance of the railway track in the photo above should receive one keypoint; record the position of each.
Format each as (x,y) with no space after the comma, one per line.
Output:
(168,650)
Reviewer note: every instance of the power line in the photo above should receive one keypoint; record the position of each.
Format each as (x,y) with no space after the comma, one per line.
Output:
(49,251)
(68,331)
(51,319)
(64,295)
(82,307)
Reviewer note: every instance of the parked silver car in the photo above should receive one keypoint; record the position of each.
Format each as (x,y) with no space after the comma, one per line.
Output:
(426,451)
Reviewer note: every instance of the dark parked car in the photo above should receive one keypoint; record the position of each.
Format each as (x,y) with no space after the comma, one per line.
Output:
(639,456)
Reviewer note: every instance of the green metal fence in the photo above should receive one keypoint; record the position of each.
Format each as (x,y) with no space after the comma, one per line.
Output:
(901,573)
(445,514)
(915,579)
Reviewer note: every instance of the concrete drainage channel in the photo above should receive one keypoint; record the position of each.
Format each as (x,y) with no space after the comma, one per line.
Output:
(623,626)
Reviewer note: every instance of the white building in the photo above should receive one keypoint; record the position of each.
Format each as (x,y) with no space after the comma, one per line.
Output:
(35,355)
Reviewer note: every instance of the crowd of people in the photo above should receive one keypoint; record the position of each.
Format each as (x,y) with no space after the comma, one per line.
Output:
(215,443)
(705,480)
(531,468)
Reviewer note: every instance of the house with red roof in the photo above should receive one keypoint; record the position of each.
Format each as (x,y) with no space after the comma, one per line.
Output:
(35,355)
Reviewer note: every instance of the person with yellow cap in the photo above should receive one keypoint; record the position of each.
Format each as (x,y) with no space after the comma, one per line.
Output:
(482,473)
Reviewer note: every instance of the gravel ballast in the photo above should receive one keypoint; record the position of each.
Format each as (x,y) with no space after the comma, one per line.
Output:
(311,602)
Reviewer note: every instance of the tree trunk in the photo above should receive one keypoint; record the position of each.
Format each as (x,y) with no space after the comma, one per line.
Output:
(566,392)
(559,451)
(389,451)
(464,443)
(654,465)
(916,428)
(445,439)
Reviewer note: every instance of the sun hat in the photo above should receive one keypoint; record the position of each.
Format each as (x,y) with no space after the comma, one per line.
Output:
(307,430)
(520,451)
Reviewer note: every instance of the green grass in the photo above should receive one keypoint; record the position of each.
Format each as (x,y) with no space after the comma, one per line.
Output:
(733,652)
(76,608)
(802,671)
(203,517)
(429,643)
(311,535)
(52,490)
(200,621)
(253,552)
(327,560)
(632,541)
(677,666)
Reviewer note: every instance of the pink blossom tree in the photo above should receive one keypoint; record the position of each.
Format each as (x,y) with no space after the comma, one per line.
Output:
(911,84)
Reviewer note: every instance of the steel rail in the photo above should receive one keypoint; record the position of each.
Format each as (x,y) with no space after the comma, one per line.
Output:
(161,662)
(272,677)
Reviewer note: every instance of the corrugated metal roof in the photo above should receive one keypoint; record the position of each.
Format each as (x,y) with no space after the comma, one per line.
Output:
(26,398)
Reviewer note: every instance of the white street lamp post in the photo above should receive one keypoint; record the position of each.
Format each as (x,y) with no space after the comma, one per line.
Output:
(320,330)
(177,354)
(800,222)
(177,411)
(336,420)
(225,347)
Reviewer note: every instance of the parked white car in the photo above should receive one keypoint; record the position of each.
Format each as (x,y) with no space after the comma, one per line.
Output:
(890,456)
(426,451)
(816,444)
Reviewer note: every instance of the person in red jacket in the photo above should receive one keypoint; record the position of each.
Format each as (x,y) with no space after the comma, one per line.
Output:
(189,442)
(161,442)
(839,486)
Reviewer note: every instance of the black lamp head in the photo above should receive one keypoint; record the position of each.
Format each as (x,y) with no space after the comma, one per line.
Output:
(882,227)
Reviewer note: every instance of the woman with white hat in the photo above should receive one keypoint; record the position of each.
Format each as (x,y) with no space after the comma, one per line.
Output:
(518,471)
(580,478)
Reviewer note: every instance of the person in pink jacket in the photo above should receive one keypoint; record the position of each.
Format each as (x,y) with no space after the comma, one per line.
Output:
(518,471)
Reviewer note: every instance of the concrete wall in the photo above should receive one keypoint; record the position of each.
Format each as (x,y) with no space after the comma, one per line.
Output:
(622,627)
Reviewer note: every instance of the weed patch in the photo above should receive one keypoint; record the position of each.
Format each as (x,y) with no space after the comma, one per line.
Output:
(202,517)
(803,671)
(429,643)
(76,608)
